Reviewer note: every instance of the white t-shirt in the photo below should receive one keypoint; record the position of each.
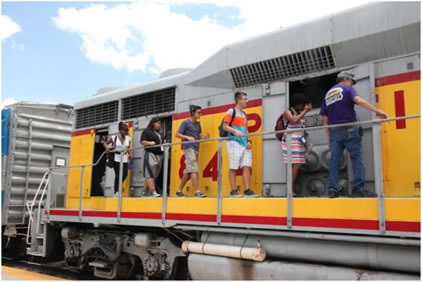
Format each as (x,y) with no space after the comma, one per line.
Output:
(121,147)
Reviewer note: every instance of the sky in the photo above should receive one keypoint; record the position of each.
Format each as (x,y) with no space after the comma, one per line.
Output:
(63,52)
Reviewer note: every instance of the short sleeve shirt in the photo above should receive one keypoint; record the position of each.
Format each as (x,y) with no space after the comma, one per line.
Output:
(338,104)
(239,123)
(193,129)
(152,135)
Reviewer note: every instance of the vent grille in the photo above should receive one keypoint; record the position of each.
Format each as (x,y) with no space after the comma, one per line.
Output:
(291,65)
(149,103)
(100,114)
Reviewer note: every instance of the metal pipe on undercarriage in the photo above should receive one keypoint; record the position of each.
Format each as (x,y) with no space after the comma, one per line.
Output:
(255,254)
(223,268)
(350,254)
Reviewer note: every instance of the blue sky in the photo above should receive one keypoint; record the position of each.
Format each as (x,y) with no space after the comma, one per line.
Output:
(66,51)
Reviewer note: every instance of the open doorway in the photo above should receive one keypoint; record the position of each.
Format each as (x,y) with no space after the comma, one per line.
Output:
(313,88)
(98,171)
(166,126)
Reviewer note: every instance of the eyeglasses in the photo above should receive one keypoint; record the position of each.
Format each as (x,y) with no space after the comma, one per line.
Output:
(199,113)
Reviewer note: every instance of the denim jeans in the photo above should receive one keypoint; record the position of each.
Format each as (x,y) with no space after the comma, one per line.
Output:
(346,137)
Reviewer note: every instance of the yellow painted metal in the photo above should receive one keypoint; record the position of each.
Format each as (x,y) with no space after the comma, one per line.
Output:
(81,152)
(396,209)
(207,161)
(401,147)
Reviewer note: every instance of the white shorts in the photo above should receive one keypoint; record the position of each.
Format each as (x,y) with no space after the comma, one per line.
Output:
(239,156)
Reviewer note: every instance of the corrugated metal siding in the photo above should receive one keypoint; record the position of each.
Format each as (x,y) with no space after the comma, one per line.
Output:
(32,137)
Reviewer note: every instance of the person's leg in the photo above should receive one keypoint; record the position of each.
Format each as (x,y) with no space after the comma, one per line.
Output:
(246,174)
(194,177)
(354,146)
(295,171)
(116,176)
(336,148)
(232,178)
(150,184)
(234,162)
(185,179)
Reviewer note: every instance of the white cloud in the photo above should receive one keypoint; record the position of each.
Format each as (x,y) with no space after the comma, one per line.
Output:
(7,27)
(148,35)
(7,102)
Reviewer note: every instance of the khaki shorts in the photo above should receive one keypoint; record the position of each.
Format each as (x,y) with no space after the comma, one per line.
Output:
(191,160)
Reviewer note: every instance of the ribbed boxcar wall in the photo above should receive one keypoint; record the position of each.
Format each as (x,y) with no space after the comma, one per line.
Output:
(215,102)
(34,130)
(398,91)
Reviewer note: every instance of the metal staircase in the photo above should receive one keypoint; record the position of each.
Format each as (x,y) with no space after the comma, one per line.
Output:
(37,229)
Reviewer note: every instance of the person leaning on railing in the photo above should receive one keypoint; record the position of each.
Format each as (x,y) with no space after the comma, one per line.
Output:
(338,108)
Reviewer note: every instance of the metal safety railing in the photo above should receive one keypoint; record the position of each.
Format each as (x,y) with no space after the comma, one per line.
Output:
(376,125)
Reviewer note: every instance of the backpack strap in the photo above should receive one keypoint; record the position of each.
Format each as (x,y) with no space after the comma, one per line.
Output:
(233,115)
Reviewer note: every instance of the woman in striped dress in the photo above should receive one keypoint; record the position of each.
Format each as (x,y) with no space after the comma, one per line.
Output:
(293,118)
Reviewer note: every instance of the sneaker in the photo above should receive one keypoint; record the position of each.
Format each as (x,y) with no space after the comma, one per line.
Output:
(235,194)
(362,194)
(145,193)
(155,194)
(180,194)
(250,194)
(200,195)
(332,194)
(116,195)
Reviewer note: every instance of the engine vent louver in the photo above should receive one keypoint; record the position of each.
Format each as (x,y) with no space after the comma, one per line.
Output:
(149,103)
(308,61)
(99,114)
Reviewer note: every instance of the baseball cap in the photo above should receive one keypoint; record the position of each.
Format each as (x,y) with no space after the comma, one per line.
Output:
(346,74)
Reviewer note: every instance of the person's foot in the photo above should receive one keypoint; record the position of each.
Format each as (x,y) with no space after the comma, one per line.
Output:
(145,194)
(235,194)
(199,194)
(332,194)
(180,194)
(250,194)
(155,194)
(116,194)
(362,194)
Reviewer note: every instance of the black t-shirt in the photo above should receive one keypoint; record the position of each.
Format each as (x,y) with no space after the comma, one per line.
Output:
(152,135)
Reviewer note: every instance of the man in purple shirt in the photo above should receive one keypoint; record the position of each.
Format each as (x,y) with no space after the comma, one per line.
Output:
(338,107)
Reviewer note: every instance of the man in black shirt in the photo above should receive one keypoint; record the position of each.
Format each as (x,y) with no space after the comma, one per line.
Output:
(153,156)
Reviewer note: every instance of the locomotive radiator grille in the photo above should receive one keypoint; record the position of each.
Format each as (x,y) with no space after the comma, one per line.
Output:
(308,61)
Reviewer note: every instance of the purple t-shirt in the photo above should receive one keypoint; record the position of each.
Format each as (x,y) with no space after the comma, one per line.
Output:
(338,104)
(193,129)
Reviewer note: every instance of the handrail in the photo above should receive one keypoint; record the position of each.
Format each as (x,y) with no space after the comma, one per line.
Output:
(30,206)
(247,135)
(375,125)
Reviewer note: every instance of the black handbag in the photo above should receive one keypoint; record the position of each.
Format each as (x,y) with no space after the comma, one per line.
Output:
(110,156)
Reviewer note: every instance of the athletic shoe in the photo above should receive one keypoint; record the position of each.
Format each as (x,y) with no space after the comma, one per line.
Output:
(362,194)
(332,194)
(145,193)
(250,194)
(155,194)
(200,195)
(180,194)
(235,194)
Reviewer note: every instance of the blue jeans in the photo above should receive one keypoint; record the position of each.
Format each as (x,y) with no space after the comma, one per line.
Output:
(346,137)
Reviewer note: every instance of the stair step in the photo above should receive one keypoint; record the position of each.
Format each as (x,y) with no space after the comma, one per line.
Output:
(99,264)
(35,253)
(40,236)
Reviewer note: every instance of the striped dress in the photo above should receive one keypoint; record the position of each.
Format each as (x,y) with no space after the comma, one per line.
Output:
(298,149)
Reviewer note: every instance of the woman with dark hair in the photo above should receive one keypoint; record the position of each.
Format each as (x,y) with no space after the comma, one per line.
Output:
(120,144)
(153,156)
(293,119)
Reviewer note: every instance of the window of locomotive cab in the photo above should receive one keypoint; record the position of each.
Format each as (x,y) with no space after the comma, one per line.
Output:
(313,88)
(98,171)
